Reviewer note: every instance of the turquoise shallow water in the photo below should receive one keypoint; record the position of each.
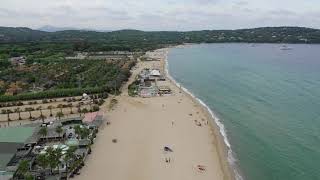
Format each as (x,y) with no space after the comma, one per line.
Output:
(268,99)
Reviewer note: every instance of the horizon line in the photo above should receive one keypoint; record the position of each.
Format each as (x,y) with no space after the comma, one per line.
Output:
(132,29)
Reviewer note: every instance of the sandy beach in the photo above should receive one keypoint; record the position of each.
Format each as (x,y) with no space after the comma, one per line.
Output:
(144,126)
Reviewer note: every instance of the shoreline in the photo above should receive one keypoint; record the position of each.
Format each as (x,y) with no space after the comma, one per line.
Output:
(144,126)
(224,146)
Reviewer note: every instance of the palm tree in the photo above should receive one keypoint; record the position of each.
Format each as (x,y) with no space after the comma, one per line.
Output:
(79,108)
(42,161)
(29,109)
(59,115)
(69,156)
(28,176)
(90,104)
(54,156)
(18,110)
(85,132)
(77,130)
(50,108)
(23,168)
(9,111)
(3,111)
(70,106)
(41,115)
(59,130)
(51,157)
(60,106)
(58,155)
(43,131)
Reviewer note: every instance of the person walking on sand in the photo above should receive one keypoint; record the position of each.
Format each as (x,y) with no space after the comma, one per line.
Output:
(172,122)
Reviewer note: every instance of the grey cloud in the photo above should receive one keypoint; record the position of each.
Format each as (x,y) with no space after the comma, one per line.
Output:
(158,15)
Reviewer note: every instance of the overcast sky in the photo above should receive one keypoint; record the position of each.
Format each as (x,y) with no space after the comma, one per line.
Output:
(160,14)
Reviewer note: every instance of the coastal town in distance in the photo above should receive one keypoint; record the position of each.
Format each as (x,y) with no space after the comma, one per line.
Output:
(159,90)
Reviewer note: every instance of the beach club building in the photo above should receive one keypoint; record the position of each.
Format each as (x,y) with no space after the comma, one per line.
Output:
(25,143)
(15,145)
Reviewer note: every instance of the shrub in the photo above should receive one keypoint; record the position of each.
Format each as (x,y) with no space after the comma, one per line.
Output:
(95,108)
(44,101)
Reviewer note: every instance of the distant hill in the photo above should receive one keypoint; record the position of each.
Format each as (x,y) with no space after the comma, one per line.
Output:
(55,29)
(129,37)
(20,34)
(49,28)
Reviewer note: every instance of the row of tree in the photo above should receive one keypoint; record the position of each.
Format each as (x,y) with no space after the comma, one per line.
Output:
(53,94)
(60,114)
(95,97)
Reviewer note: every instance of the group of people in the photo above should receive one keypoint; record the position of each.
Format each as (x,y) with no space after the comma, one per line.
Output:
(167,150)
(198,123)
(168,160)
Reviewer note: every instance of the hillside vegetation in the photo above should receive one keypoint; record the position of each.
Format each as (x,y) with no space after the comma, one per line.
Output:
(134,39)
(46,67)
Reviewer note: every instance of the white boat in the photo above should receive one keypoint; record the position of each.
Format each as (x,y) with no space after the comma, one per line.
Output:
(285,47)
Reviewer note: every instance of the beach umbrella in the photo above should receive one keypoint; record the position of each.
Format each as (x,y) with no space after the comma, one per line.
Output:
(167,149)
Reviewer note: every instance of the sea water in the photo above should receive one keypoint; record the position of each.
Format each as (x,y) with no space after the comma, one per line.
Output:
(267,99)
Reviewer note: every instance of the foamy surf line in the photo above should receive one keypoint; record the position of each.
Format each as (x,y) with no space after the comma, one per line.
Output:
(230,156)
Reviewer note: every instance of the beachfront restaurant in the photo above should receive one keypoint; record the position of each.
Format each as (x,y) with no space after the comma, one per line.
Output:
(148,91)
(164,90)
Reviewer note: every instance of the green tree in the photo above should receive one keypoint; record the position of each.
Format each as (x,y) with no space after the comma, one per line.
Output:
(54,156)
(29,176)
(79,108)
(95,108)
(29,109)
(51,158)
(8,112)
(43,132)
(77,130)
(42,161)
(3,111)
(90,105)
(50,108)
(85,132)
(59,130)
(69,156)
(70,106)
(60,106)
(42,117)
(59,115)
(58,156)
(18,110)
(23,168)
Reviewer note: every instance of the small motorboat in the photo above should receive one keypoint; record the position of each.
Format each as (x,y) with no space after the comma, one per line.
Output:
(285,48)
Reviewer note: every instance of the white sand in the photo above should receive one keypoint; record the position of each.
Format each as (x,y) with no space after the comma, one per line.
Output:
(143,126)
